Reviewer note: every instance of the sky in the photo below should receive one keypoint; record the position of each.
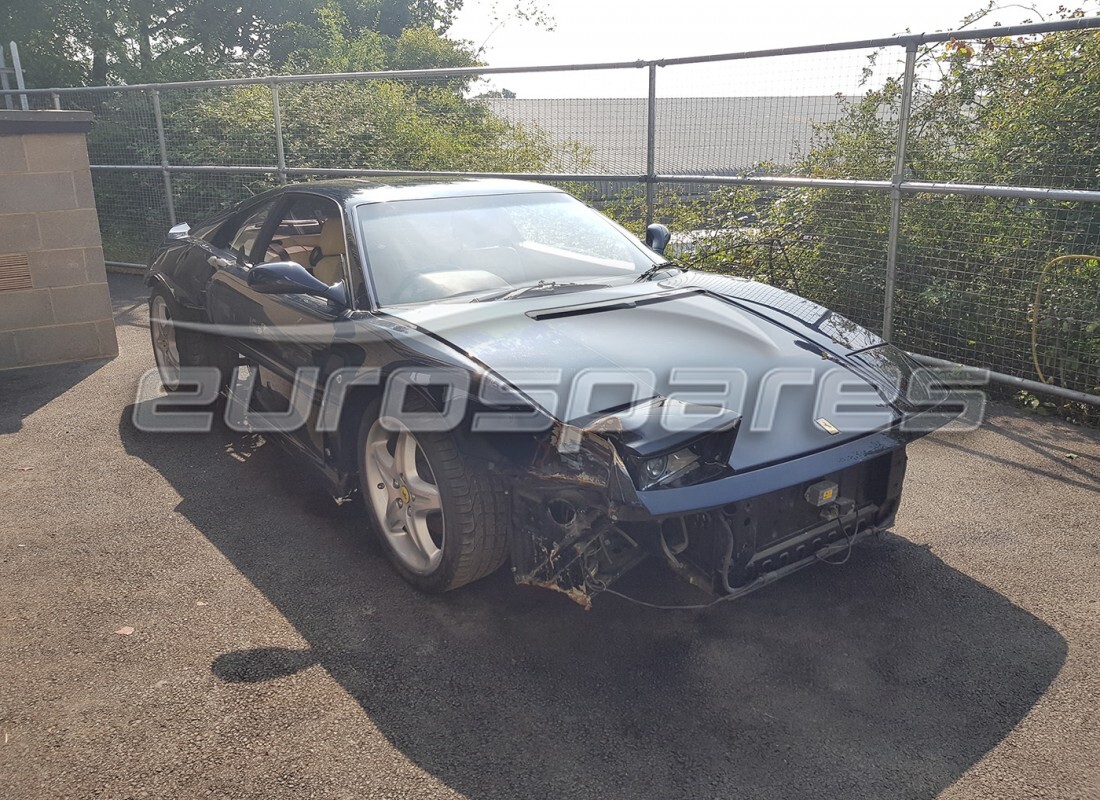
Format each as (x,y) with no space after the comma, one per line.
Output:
(626,30)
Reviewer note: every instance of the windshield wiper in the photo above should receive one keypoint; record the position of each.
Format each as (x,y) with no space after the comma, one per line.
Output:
(649,273)
(542,287)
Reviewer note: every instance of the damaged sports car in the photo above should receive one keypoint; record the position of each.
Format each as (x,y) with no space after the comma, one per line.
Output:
(506,375)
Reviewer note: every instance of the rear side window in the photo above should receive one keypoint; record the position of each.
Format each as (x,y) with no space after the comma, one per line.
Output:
(208,231)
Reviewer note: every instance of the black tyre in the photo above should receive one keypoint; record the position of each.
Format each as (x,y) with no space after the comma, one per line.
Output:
(442,523)
(176,347)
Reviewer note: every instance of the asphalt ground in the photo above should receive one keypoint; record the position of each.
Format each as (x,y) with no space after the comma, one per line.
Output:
(275,654)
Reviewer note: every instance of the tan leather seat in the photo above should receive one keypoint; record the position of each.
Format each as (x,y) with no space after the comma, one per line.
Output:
(328,256)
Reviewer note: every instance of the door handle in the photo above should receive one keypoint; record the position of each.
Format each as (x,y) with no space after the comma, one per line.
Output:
(219,263)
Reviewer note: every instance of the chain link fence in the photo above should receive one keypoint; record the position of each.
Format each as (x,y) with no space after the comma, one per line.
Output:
(919,185)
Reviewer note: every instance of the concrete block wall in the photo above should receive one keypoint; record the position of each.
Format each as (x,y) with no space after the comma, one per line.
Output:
(54,303)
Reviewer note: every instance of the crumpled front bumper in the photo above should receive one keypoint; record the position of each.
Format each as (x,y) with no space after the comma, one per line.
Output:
(581,524)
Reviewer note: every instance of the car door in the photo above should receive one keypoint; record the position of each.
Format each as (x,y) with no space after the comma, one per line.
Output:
(229,254)
(288,337)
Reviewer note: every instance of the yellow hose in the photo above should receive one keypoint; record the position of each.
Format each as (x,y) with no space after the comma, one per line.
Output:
(1035,309)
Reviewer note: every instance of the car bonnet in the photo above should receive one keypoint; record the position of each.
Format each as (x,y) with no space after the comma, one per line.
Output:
(667,342)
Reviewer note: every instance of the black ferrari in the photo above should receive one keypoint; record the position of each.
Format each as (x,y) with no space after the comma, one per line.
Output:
(506,375)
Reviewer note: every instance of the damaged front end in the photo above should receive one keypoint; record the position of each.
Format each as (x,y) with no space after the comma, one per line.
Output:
(600,498)
(569,509)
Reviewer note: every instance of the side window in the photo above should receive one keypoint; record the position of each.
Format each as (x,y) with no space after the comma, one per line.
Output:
(208,231)
(310,231)
(297,236)
(245,238)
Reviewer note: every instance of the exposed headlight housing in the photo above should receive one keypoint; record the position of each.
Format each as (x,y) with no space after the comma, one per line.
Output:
(662,440)
(654,469)
(662,469)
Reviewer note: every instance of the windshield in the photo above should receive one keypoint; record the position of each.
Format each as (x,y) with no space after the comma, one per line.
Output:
(420,251)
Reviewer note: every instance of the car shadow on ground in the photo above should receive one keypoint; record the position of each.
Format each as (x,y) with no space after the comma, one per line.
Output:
(885,678)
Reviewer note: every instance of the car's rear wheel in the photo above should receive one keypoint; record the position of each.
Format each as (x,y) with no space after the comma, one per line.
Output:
(176,347)
(441,521)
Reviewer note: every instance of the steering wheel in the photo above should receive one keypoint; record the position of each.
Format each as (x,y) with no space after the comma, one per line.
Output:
(403,290)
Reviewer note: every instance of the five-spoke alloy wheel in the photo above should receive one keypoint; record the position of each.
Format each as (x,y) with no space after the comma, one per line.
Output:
(441,520)
(404,496)
(166,351)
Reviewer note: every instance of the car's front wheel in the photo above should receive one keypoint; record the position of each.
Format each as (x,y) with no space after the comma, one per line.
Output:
(442,522)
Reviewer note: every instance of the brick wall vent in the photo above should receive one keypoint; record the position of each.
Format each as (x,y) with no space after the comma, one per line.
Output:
(15,272)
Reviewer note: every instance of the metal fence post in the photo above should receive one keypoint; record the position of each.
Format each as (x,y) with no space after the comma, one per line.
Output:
(651,147)
(164,158)
(4,79)
(56,101)
(17,65)
(895,191)
(280,153)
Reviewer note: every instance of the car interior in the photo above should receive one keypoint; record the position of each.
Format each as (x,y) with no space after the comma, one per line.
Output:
(311,233)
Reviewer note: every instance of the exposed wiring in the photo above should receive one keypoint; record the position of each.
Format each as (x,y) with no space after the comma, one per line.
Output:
(659,607)
(1035,309)
(850,538)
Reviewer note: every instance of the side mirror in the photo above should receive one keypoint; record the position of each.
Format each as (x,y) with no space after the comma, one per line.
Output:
(290,277)
(657,237)
(181,231)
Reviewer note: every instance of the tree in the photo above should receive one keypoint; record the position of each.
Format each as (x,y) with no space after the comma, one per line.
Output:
(401,124)
(95,42)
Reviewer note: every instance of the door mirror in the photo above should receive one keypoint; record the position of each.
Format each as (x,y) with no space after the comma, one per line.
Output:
(290,277)
(657,237)
(181,231)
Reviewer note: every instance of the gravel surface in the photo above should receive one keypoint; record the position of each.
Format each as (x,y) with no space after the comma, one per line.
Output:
(275,654)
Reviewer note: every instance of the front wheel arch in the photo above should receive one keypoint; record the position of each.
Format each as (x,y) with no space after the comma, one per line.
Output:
(358,398)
